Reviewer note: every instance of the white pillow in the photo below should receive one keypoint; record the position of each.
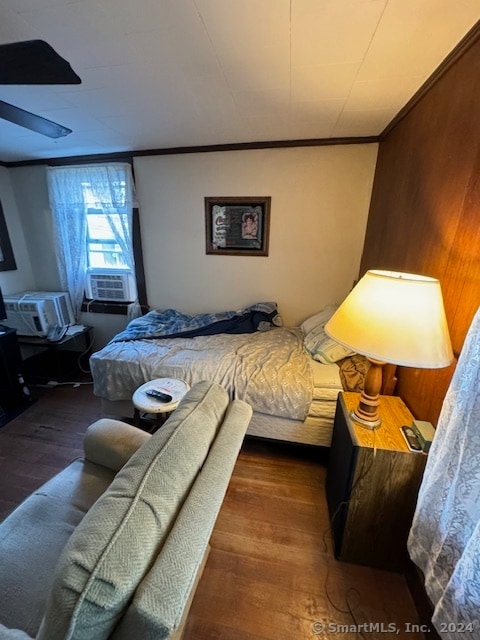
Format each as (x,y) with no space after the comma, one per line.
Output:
(317,343)
(320,319)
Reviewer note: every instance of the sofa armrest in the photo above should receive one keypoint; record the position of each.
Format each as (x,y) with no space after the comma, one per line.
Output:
(111,443)
(13,634)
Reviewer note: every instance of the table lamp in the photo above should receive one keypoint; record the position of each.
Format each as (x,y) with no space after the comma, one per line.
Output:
(391,317)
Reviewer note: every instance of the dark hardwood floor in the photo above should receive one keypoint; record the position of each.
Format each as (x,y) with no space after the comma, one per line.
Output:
(43,439)
(271,573)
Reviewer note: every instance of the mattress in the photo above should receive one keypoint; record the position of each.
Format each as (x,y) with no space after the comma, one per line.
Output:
(316,429)
(311,431)
(269,370)
(293,397)
(326,387)
(326,380)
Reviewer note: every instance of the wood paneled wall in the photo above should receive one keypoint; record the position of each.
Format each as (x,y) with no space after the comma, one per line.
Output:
(425,210)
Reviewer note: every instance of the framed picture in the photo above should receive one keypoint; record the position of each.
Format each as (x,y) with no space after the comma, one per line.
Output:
(237,226)
(7,260)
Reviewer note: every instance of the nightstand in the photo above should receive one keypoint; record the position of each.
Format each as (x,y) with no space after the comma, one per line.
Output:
(372,485)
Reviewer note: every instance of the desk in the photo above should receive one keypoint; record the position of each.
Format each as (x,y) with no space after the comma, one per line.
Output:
(44,360)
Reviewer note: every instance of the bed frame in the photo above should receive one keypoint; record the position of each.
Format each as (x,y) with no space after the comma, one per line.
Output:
(312,431)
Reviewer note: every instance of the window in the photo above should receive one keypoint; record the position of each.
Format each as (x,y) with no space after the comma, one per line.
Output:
(103,229)
(103,252)
(93,217)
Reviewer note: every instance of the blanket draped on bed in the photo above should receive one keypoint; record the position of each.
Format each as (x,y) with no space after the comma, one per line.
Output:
(444,539)
(174,324)
(268,369)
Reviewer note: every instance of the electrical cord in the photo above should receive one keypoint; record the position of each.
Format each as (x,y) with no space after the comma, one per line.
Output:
(89,304)
(51,384)
(87,350)
(54,383)
(350,607)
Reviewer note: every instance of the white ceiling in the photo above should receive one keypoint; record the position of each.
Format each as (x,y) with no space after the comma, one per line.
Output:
(169,73)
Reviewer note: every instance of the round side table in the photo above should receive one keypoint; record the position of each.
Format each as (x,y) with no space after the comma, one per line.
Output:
(146,404)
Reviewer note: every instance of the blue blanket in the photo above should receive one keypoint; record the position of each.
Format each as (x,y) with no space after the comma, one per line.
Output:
(174,324)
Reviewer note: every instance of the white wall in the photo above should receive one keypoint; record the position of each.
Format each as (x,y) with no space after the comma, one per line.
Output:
(24,194)
(31,193)
(320,200)
(22,277)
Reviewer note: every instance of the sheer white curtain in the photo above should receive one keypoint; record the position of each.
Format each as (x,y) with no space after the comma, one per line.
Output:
(67,193)
(444,539)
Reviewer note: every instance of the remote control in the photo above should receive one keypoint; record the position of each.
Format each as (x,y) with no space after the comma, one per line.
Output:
(411,438)
(158,395)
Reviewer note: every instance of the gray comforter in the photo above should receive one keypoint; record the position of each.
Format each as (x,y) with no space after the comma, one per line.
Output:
(269,370)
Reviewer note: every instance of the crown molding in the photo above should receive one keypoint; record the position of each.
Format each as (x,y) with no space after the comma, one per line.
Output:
(239,146)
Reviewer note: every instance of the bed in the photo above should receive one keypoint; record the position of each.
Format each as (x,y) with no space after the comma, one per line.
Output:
(286,373)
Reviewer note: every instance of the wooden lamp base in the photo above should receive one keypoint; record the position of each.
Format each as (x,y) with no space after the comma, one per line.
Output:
(366,413)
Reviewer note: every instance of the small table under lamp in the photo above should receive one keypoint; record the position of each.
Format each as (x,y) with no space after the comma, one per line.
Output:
(391,317)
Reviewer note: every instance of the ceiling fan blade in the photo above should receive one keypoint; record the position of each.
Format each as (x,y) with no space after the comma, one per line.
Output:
(34,62)
(31,121)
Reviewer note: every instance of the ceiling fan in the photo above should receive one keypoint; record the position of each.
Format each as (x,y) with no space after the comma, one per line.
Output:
(33,62)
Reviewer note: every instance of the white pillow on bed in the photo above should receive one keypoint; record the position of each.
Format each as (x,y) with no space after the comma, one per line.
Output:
(317,343)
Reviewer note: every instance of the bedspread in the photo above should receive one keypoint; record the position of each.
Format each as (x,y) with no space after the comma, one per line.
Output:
(171,323)
(269,370)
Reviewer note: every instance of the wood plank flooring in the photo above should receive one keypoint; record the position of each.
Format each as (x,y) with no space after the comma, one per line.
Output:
(43,440)
(271,573)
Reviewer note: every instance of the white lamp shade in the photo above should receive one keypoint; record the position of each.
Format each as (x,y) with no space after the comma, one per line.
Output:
(395,317)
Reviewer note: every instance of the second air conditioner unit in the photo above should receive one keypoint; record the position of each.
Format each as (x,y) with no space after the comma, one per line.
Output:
(111,286)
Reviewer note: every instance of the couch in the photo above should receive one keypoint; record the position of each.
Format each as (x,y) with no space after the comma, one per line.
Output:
(114,545)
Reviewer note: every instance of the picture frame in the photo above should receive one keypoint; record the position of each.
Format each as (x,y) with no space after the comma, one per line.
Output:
(237,226)
(7,259)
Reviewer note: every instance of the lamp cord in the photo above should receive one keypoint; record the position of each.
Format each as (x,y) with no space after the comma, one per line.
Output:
(350,608)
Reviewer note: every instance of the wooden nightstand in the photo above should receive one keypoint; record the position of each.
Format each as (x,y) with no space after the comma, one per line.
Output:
(372,485)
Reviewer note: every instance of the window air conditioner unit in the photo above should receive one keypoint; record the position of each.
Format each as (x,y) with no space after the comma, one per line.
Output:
(111,286)
(32,313)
